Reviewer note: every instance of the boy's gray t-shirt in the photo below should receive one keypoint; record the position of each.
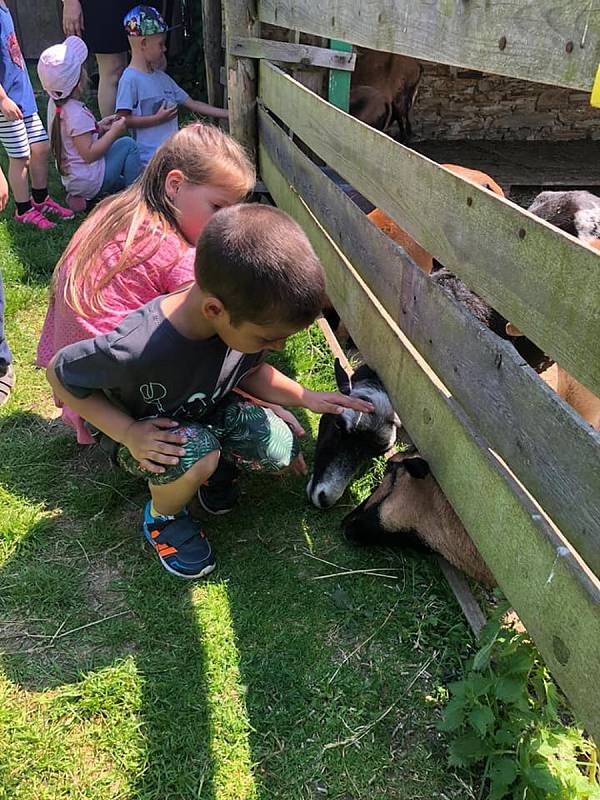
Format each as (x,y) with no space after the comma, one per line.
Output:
(147,368)
(143,93)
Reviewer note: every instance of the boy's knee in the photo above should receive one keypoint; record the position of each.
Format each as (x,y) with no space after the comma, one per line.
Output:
(204,467)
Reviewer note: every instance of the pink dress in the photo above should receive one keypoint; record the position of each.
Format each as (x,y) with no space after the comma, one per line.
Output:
(171,267)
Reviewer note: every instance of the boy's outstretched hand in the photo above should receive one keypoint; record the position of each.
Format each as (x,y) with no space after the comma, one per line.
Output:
(151,444)
(334,403)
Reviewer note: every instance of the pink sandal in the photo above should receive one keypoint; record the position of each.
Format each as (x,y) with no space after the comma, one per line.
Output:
(50,206)
(34,217)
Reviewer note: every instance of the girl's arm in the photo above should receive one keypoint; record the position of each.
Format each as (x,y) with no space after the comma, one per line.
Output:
(267,383)
(204,108)
(148,441)
(91,149)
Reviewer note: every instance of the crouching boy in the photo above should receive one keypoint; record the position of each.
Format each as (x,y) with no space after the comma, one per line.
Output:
(160,385)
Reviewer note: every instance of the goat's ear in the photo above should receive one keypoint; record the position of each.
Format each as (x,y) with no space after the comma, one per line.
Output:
(342,378)
(416,467)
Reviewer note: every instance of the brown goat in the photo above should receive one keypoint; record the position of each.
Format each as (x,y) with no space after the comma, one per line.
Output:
(581,400)
(409,507)
(383,89)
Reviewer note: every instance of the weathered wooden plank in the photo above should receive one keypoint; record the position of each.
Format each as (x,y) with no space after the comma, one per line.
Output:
(553,452)
(304,54)
(212,29)
(464,596)
(240,20)
(339,82)
(334,345)
(549,41)
(538,277)
(553,593)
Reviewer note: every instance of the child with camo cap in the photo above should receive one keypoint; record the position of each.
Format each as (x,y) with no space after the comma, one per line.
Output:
(147,97)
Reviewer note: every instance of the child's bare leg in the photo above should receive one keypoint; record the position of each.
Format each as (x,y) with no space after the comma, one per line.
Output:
(169,499)
(110,69)
(18,178)
(38,164)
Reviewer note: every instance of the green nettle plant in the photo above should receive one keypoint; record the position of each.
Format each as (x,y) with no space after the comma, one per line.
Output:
(506,715)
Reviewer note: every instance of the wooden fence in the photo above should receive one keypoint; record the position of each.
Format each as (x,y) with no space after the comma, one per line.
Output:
(520,468)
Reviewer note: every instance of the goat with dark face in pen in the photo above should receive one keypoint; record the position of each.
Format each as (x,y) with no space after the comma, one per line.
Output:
(348,440)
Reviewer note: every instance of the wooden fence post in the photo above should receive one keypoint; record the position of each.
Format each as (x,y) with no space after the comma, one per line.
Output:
(213,49)
(241,20)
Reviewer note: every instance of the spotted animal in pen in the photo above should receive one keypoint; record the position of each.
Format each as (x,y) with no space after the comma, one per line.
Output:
(347,441)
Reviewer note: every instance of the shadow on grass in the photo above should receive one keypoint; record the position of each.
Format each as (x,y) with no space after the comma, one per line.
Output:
(77,597)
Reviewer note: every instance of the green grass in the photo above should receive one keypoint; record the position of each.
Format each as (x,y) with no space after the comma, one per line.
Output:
(257,683)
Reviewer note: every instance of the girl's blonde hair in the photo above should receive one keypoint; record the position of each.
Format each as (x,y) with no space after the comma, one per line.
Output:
(145,214)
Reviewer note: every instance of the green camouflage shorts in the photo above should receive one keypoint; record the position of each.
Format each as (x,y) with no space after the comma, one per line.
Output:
(246,434)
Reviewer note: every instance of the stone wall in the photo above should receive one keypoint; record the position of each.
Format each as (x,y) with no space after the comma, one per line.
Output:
(455,103)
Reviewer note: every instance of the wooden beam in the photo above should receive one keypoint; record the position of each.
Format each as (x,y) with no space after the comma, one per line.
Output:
(464,596)
(214,56)
(557,598)
(549,41)
(303,54)
(541,279)
(334,345)
(241,21)
(549,449)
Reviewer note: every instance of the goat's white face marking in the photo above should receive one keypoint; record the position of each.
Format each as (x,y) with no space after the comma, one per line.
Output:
(329,489)
(341,464)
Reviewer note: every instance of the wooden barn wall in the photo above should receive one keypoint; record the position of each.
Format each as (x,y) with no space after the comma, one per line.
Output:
(463,104)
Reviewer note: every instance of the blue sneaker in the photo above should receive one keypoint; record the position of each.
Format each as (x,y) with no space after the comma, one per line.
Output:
(180,544)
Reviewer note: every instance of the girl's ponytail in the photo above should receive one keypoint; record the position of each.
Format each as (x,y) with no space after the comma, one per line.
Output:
(56,135)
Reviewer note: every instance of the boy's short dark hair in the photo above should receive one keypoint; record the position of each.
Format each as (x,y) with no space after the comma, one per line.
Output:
(260,265)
